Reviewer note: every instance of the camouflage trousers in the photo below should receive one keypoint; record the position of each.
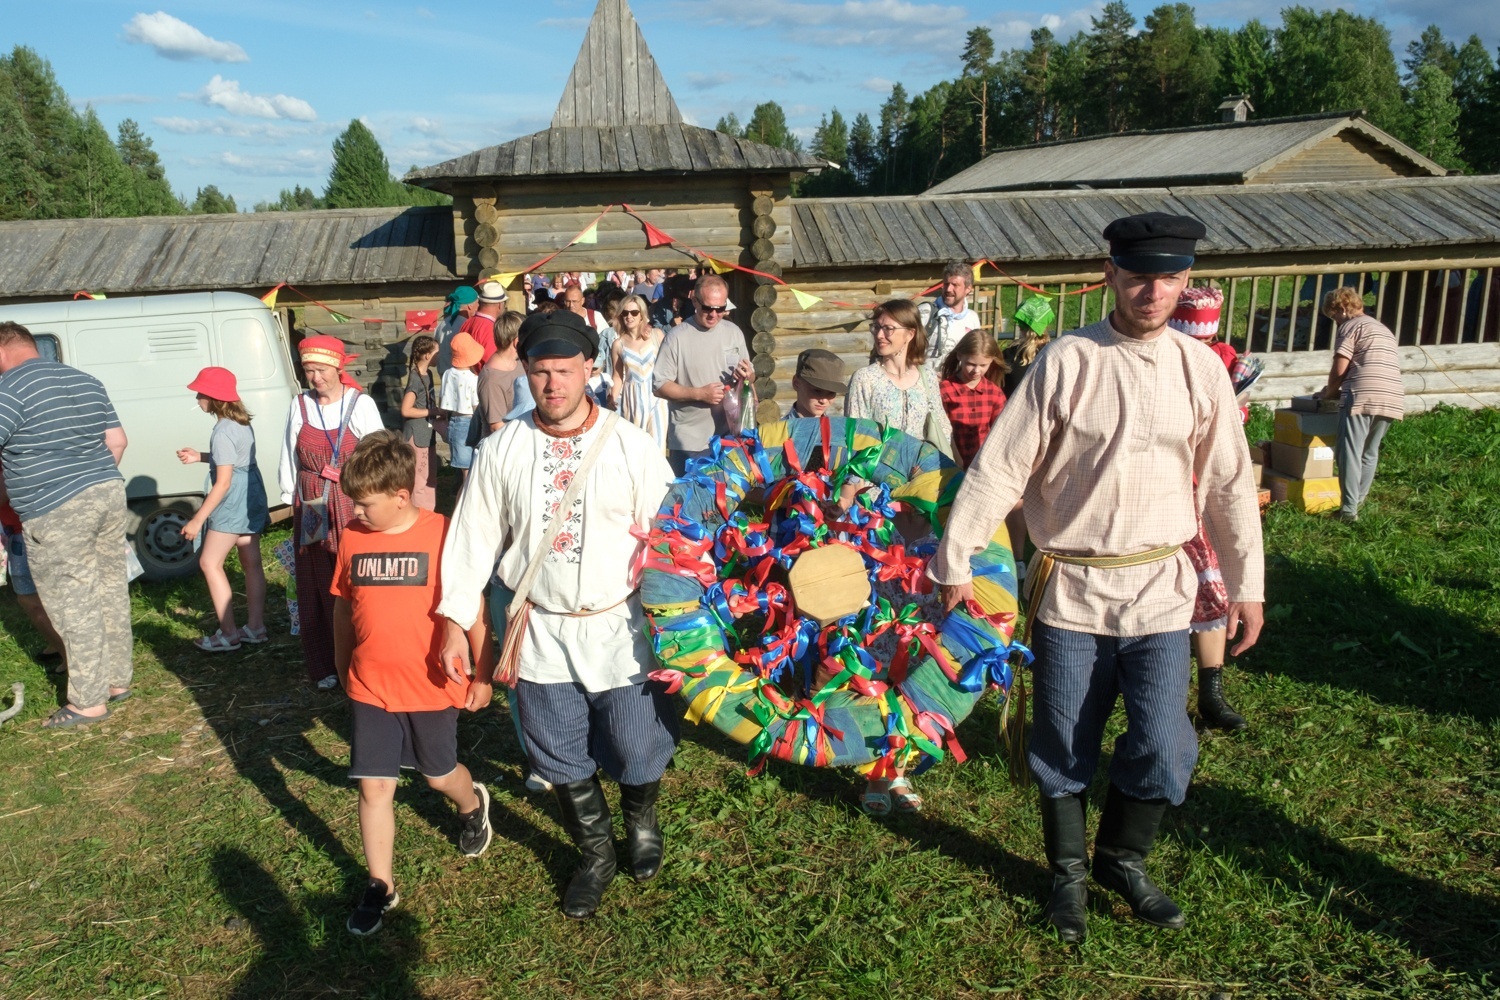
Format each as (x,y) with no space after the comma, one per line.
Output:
(77,555)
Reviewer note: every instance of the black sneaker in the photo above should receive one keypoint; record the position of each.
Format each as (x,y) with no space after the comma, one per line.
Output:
(474,838)
(365,920)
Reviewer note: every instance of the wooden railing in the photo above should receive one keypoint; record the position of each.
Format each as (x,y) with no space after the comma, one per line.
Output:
(1267,313)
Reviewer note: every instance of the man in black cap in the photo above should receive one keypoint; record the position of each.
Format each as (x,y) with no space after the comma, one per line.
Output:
(1105,439)
(556,498)
(819,380)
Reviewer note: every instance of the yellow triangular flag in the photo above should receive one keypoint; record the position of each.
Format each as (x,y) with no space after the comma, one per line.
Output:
(270,297)
(506,277)
(589,235)
(804,299)
(719,267)
(977,266)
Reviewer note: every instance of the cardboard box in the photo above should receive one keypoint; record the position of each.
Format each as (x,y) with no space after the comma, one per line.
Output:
(1312,404)
(1258,455)
(1258,473)
(1311,495)
(1302,463)
(1306,430)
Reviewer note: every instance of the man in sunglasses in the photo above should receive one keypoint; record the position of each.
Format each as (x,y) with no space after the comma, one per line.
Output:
(698,360)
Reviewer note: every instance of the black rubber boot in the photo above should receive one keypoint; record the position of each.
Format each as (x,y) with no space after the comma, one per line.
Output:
(1215,712)
(1126,831)
(1066,838)
(585,816)
(643,840)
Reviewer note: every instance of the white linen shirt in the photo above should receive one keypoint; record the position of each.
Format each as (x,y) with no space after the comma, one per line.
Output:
(364,419)
(945,328)
(499,518)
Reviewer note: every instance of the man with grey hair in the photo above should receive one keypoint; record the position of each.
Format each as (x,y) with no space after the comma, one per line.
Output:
(948,317)
(698,359)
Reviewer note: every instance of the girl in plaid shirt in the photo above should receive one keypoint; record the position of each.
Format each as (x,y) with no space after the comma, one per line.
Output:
(972,395)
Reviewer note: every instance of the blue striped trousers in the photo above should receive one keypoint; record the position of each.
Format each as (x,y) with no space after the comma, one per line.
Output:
(1077,679)
(630,732)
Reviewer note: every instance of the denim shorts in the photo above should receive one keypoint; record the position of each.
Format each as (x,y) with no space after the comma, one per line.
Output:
(460,455)
(17,568)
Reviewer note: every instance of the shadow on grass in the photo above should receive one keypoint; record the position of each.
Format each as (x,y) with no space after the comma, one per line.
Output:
(1456,931)
(304,949)
(1351,630)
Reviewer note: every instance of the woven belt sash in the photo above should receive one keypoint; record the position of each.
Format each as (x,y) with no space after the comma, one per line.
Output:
(1039,574)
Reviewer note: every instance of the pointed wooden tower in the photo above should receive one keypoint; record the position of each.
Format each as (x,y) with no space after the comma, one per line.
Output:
(618,137)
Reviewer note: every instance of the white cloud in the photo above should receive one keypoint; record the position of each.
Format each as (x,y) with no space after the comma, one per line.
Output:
(300,163)
(708,81)
(877,85)
(896,24)
(426,126)
(236,129)
(226,94)
(174,39)
(424,12)
(104,99)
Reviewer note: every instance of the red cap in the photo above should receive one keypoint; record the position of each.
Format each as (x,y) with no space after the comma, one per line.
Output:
(216,383)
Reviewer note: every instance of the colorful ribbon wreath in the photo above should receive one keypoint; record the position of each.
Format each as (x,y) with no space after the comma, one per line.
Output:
(728,636)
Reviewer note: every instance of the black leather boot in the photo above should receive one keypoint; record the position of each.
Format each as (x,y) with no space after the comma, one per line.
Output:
(643,840)
(585,816)
(1066,838)
(1126,831)
(1215,712)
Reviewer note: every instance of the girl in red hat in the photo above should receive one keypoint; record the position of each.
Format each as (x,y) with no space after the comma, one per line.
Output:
(234,513)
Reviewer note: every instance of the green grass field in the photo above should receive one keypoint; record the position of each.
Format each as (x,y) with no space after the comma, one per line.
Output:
(203,842)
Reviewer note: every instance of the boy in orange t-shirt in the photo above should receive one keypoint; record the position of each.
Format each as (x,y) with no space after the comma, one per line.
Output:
(387,639)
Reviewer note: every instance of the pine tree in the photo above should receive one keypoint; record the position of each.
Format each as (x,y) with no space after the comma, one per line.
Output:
(1433,131)
(831,140)
(361,176)
(298,199)
(23,188)
(1113,68)
(730,125)
(1431,49)
(211,201)
(54,130)
(153,195)
(767,125)
(1037,87)
(864,153)
(1333,61)
(979,52)
(1477,127)
(893,122)
(106,185)
(1178,69)
(1245,56)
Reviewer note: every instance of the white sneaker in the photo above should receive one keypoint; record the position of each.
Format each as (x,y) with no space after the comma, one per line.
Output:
(328,683)
(534,783)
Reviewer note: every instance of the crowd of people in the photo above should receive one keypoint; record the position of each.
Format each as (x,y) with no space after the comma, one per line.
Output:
(1116,452)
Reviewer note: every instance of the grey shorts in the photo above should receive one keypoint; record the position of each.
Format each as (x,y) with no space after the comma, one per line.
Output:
(385,742)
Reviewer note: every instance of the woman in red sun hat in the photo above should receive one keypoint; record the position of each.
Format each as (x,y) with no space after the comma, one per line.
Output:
(233,514)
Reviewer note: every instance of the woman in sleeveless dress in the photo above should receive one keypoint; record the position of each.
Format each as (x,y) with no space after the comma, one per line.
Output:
(633,358)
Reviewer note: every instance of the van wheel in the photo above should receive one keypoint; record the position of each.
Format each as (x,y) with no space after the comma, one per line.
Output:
(156,533)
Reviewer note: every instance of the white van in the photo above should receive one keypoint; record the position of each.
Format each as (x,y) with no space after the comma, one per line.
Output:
(146,350)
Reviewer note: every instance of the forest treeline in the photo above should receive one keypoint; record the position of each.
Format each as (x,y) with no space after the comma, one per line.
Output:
(59,162)
(1443,98)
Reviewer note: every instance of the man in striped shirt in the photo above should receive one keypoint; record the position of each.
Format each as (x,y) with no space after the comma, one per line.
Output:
(60,444)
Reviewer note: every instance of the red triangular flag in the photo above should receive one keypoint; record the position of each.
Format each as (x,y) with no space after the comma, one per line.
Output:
(655,237)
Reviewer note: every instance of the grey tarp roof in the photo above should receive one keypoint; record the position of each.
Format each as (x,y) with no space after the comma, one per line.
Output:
(186,253)
(1067,225)
(1222,153)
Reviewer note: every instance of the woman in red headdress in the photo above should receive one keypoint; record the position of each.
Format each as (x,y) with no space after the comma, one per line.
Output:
(322,428)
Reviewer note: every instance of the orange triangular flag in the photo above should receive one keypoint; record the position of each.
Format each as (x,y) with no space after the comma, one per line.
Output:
(655,237)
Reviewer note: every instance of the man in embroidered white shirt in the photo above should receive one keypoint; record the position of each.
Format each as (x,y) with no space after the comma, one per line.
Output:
(948,317)
(583,696)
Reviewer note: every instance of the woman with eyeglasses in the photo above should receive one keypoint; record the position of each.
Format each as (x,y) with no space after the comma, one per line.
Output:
(633,359)
(898,390)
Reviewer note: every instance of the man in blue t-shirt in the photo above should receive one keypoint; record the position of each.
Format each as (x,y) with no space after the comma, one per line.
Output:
(60,445)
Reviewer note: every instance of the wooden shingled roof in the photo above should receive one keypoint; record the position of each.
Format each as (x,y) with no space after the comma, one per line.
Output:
(1219,153)
(1068,225)
(615,80)
(367,246)
(616,117)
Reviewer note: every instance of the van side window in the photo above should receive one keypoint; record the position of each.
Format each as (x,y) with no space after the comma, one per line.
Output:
(47,346)
(247,347)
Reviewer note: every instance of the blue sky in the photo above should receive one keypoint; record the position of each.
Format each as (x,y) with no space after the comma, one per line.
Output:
(250,96)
